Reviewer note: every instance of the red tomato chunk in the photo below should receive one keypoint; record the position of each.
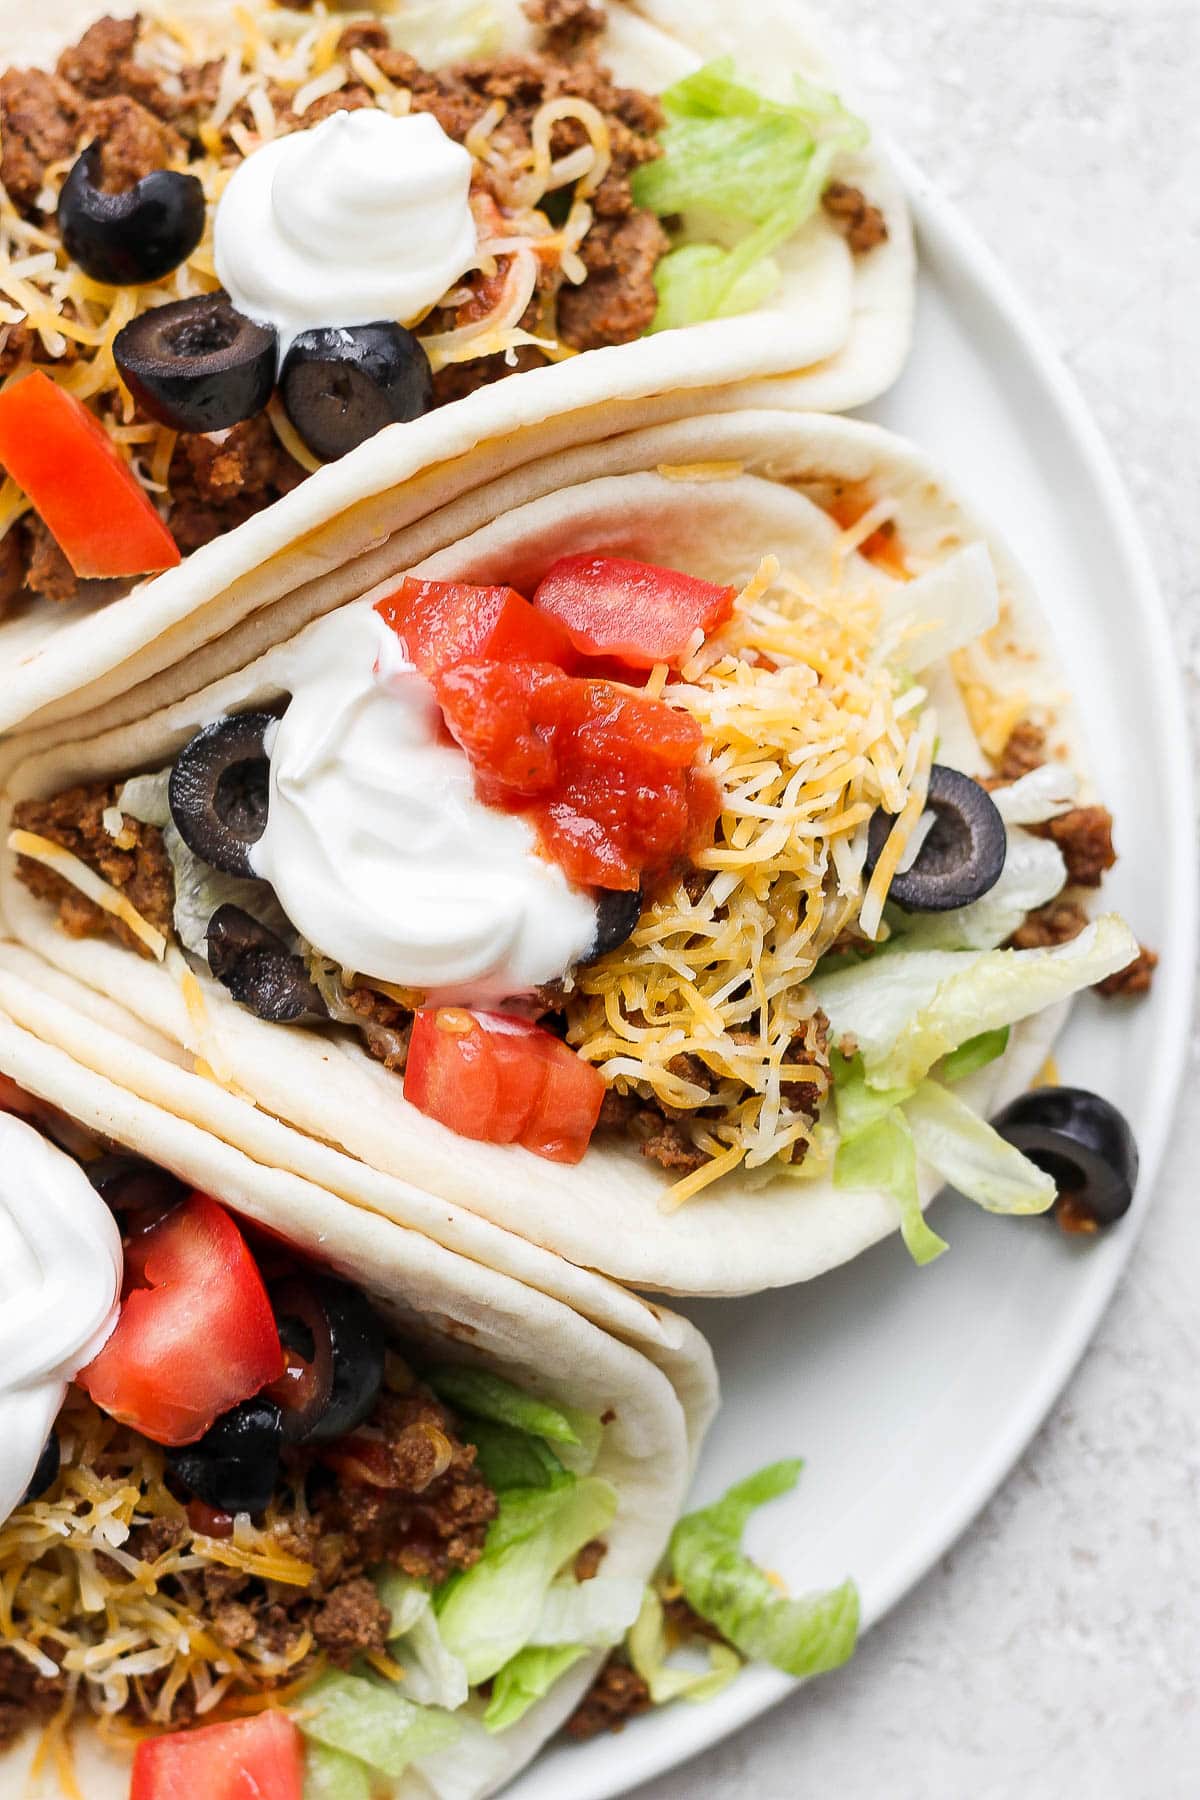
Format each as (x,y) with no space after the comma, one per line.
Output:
(631,611)
(61,456)
(502,1080)
(609,778)
(250,1759)
(196,1333)
(442,622)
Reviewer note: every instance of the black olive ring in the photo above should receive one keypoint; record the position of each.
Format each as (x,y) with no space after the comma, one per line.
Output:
(140,235)
(963,854)
(1084,1144)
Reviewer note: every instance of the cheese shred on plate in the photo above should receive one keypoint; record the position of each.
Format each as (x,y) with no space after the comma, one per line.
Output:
(705,1009)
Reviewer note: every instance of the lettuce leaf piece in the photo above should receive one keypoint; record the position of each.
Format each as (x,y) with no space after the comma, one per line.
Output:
(949,606)
(477,1763)
(489,1613)
(909,1009)
(703,281)
(974,1159)
(369,1720)
(802,1637)
(975,1054)
(332,1775)
(667,1681)
(595,1613)
(883,1158)
(859,1106)
(487,1396)
(732,153)
(508,1458)
(1034,872)
(438,32)
(525,1680)
(432,1676)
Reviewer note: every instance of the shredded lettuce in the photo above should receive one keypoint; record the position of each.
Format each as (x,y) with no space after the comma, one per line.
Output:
(802,1637)
(909,1009)
(883,1159)
(486,1396)
(489,1613)
(332,1775)
(648,1651)
(975,1054)
(1034,872)
(733,157)
(975,1160)
(940,611)
(369,1720)
(507,1458)
(525,1680)
(432,1675)
(595,1613)
(438,32)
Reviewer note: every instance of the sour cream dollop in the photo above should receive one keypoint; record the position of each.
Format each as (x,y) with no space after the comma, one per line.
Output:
(362,217)
(377,847)
(60,1285)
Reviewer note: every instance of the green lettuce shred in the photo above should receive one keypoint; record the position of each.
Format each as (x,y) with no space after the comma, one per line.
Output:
(367,1719)
(667,1681)
(975,1054)
(806,1636)
(883,1159)
(525,1680)
(332,1775)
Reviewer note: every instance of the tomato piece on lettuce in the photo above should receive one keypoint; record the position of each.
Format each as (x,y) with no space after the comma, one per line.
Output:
(62,458)
(443,622)
(261,1758)
(611,779)
(633,612)
(502,1080)
(191,1286)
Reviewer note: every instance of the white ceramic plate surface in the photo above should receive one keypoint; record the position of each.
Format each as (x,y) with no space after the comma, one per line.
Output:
(910,1392)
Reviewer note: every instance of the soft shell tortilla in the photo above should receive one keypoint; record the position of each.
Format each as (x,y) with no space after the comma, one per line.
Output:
(441,1298)
(736,1237)
(839,331)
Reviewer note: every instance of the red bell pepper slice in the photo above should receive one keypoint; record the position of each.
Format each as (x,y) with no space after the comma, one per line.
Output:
(62,458)
(631,611)
(191,1288)
(502,1080)
(260,1758)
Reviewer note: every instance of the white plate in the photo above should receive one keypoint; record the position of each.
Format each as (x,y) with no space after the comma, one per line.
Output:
(912,1392)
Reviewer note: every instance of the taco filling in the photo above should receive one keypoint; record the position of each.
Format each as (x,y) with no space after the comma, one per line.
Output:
(235,244)
(644,856)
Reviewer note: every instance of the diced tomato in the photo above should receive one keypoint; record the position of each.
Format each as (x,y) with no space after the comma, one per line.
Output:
(441,622)
(632,611)
(196,1333)
(260,1758)
(610,779)
(502,1080)
(64,461)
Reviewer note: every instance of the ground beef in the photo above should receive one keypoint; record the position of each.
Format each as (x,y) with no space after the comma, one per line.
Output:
(386,1026)
(39,125)
(1135,978)
(588,1560)
(862,225)
(133,142)
(1084,835)
(618,300)
(141,871)
(47,571)
(96,64)
(565,25)
(12,567)
(1055,923)
(219,480)
(26,1698)
(1024,752)
(685,1624)
(667,1143)
(352,1620)
(366,34)
(617,1694)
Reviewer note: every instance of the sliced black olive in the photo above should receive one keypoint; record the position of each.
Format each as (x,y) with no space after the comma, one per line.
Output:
(140,235)
(46,1473)
(259,970)
(341,384)
(140,1191)
(963,854)
(218,791)
(235,1466)
(1086,1147)
(337,1345)
(617,915)
(199,364)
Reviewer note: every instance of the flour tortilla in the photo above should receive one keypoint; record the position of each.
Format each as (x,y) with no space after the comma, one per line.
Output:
(735,1237)
(838,331)
(661,1393)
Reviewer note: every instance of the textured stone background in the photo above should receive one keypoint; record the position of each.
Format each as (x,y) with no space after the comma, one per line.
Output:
(1055,1653)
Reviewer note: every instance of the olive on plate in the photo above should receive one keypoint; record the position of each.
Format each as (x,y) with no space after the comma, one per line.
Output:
(1084,1144)
(219,791)
(341,384)
(335,1346)
(962,856)
(234,1467)
(46,1473)
(617,915)
(127,238)
(198,364)
(258,969)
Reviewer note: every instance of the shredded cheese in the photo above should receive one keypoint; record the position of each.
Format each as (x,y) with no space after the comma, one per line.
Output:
(94,887)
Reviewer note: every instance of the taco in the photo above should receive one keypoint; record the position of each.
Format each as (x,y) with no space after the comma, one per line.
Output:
(676,871)
(289,1492)
(237,242)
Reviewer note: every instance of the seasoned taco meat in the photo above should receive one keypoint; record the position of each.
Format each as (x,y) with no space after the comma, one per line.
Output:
(618,1693)
(565,25)
(137,864)
(133,143)
(862,225)
(1055,923)
(1135,979)
(39,125)
(222,479)
(46,570)
(98,64)
(1084,836)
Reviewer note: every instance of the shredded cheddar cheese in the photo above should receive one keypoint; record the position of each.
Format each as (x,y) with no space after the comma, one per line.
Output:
(94,887)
